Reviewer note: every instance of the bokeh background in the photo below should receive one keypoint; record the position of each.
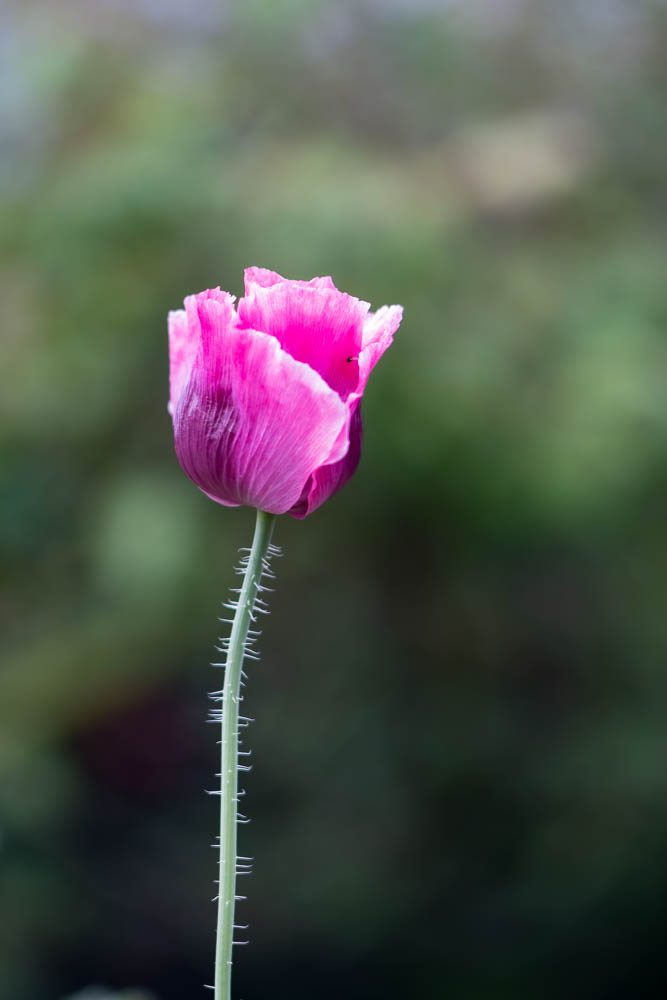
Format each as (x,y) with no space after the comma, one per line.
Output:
(460,784)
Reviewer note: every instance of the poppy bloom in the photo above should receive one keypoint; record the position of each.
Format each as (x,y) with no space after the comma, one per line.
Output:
(265,398)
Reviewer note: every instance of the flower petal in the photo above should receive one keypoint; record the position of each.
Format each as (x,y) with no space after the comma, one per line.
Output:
(264,279)
(326,480)
(181,354)
(184,340)
(315,324)
(252,424)
(378,334)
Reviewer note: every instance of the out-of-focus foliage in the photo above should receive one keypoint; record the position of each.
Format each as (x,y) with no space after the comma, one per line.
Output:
(100,994)
(460,787)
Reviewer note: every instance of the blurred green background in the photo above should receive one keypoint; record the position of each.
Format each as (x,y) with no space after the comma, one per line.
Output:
(460,784)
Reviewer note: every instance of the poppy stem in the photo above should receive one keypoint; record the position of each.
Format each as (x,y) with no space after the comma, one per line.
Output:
(244,615)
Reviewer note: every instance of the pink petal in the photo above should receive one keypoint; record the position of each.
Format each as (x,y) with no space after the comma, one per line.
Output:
(317,325)
(252,424)
(181,353)
(264,279)
(328,479)
(378,334)
(184,339)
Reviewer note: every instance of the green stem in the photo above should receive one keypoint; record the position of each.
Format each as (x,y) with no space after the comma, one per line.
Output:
(243,616)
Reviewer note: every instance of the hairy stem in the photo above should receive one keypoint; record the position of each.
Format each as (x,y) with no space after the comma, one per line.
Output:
(243,617)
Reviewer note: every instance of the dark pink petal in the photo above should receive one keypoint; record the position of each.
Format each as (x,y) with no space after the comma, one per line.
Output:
(252,424)
(315,324)
(326,480)
(378,334)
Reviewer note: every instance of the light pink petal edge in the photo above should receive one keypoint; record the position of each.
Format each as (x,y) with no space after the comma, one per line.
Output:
(185,337)
(264,278)
(378,335)
(181,354)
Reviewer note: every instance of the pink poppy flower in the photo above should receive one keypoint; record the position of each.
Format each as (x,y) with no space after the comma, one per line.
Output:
(265,399)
